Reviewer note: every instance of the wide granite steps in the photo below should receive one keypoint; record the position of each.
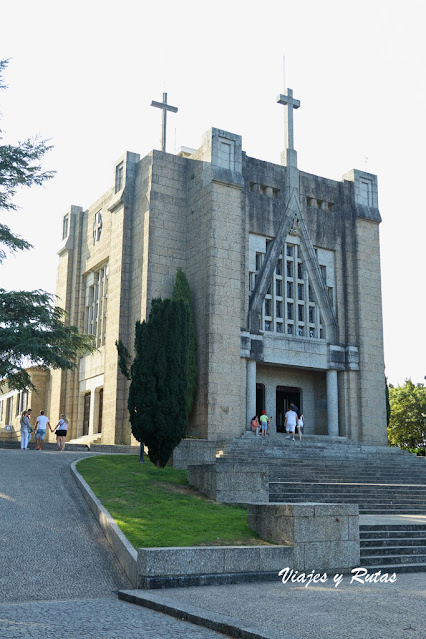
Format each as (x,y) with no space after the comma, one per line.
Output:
(318,475)
(383,481)
(393,548)
(325,455)
(310,446)
(371,498)
(380,479)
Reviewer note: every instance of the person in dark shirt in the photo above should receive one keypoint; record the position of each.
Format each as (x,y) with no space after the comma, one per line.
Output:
(294,407)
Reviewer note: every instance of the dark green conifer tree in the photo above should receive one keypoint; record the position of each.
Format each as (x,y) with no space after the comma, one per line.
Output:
(159,387)
(182,291)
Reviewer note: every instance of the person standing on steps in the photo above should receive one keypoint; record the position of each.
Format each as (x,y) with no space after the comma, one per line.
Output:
(294,407)
(264,423)
(300,425)
(40,429)
(255,425)
(290,422)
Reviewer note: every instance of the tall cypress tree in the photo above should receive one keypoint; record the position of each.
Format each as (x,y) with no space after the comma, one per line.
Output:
(159,387)
(182,292)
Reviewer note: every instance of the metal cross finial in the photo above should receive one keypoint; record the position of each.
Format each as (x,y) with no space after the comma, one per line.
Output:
(165,107)
(291,103)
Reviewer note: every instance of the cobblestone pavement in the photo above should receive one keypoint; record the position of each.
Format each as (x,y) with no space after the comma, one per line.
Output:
(58,575)
(93,619)
(320,611)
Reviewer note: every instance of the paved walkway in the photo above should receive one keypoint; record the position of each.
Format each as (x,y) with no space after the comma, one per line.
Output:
(58,576)
(291,611)
(59,579)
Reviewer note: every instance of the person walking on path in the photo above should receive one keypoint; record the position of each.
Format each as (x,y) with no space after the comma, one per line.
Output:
(61,432)
(40,429)
(25,430)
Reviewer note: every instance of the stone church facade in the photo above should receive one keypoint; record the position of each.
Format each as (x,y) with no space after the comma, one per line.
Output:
(284,269)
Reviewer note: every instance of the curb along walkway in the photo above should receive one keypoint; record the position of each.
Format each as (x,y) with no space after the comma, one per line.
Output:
(58,575)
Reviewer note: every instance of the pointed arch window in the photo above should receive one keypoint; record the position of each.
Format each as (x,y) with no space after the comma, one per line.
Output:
(289,308)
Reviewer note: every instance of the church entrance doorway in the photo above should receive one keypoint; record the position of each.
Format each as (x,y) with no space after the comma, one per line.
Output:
(260,399)
(86,414)
(285,395)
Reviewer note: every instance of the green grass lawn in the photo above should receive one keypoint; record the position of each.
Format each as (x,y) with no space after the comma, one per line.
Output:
(156,507)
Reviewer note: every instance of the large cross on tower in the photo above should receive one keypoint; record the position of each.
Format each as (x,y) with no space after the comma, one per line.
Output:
(290,104)
(165,107)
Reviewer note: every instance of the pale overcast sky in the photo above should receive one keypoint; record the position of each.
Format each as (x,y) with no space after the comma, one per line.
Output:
(84,73)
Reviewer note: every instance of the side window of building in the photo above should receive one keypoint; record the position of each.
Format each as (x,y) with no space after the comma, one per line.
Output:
(119,174)
(96,296)
(65,226)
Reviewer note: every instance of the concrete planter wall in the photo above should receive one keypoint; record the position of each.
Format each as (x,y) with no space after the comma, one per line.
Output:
(324,536)
(194,451)
(321,537)
(168,567)
(237,483)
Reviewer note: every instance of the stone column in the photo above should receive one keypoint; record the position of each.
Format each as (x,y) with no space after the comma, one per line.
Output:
(270,406)
(251,391)
(332,404)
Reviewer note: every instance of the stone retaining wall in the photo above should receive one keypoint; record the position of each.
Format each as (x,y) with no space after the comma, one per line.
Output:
(324,536)
(194,451)
(195,565)
(114,448)
(237,483)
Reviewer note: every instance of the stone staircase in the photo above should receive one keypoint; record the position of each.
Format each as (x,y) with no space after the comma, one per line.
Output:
(87,440)
(393,548)
(380,480)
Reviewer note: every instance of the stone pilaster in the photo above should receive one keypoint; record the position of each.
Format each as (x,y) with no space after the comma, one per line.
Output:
(332,404)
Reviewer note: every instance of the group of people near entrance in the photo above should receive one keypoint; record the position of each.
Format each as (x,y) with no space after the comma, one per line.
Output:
(42,422)
(293,419)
